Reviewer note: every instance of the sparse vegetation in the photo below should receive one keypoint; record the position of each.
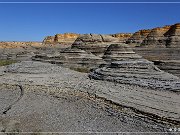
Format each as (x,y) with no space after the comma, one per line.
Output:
(7,62)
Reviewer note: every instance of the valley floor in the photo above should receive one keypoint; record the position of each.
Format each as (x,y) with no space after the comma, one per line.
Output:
(42,97)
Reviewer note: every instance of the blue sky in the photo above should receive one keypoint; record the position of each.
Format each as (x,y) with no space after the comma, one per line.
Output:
(32,22)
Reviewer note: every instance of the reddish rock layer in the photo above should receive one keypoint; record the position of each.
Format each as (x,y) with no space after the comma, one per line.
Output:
(138,37)
(66,38)
(156,37)
(123,37)
(173,36)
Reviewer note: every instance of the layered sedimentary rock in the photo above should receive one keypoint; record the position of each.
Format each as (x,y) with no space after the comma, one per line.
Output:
(123,37)
(139,72)
(170,66)
(138,37)
(18,50)
(48,40)
(72,58)
(65,39)
(94,43)
(156,37)
(14,44)
(173,36)
(119,52)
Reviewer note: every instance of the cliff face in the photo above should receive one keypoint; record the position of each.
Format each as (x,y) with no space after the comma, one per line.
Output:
(173,36)
(48,40)
(66,39)
(167,36)
(156,37)
(123,37)
(138,37)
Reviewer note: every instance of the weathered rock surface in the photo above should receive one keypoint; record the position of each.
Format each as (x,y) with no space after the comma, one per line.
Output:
(63,39)
(48,40)
(173,36)
(156,37)
(18,50)
(49,104)
(170,66)
(14,44)
(166,59)
(138,37)
(72,58)
(119,52)
(94,43)
(137,72)
(123,37)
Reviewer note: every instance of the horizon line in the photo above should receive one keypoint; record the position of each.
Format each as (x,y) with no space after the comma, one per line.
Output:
(90,2)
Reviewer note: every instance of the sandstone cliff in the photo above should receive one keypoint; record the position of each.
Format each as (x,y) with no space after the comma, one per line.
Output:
(138,37)
(48,40)
(65,39)
(156,37)
(173,36)
(123,37)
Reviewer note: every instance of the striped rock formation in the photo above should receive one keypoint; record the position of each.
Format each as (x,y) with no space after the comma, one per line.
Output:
(64,39)
(139,72)
(119,52)
(156,37)
(72,58)
(138,37)
(94,43)
(173,36)
(123,37)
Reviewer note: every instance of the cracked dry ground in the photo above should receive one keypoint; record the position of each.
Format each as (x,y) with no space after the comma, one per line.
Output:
(41,97)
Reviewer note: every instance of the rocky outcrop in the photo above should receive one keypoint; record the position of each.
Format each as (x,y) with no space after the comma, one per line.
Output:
(18,50)
(64,39)
(119,52)
(72,58)
(173,36)
(94,43)
(156,37)
(170,66)
(138,37)
(48,40)
(139,72)
(14,44)
(123,37)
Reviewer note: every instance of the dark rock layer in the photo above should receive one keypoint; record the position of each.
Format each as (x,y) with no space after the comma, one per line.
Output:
(137,72)
(72,58)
